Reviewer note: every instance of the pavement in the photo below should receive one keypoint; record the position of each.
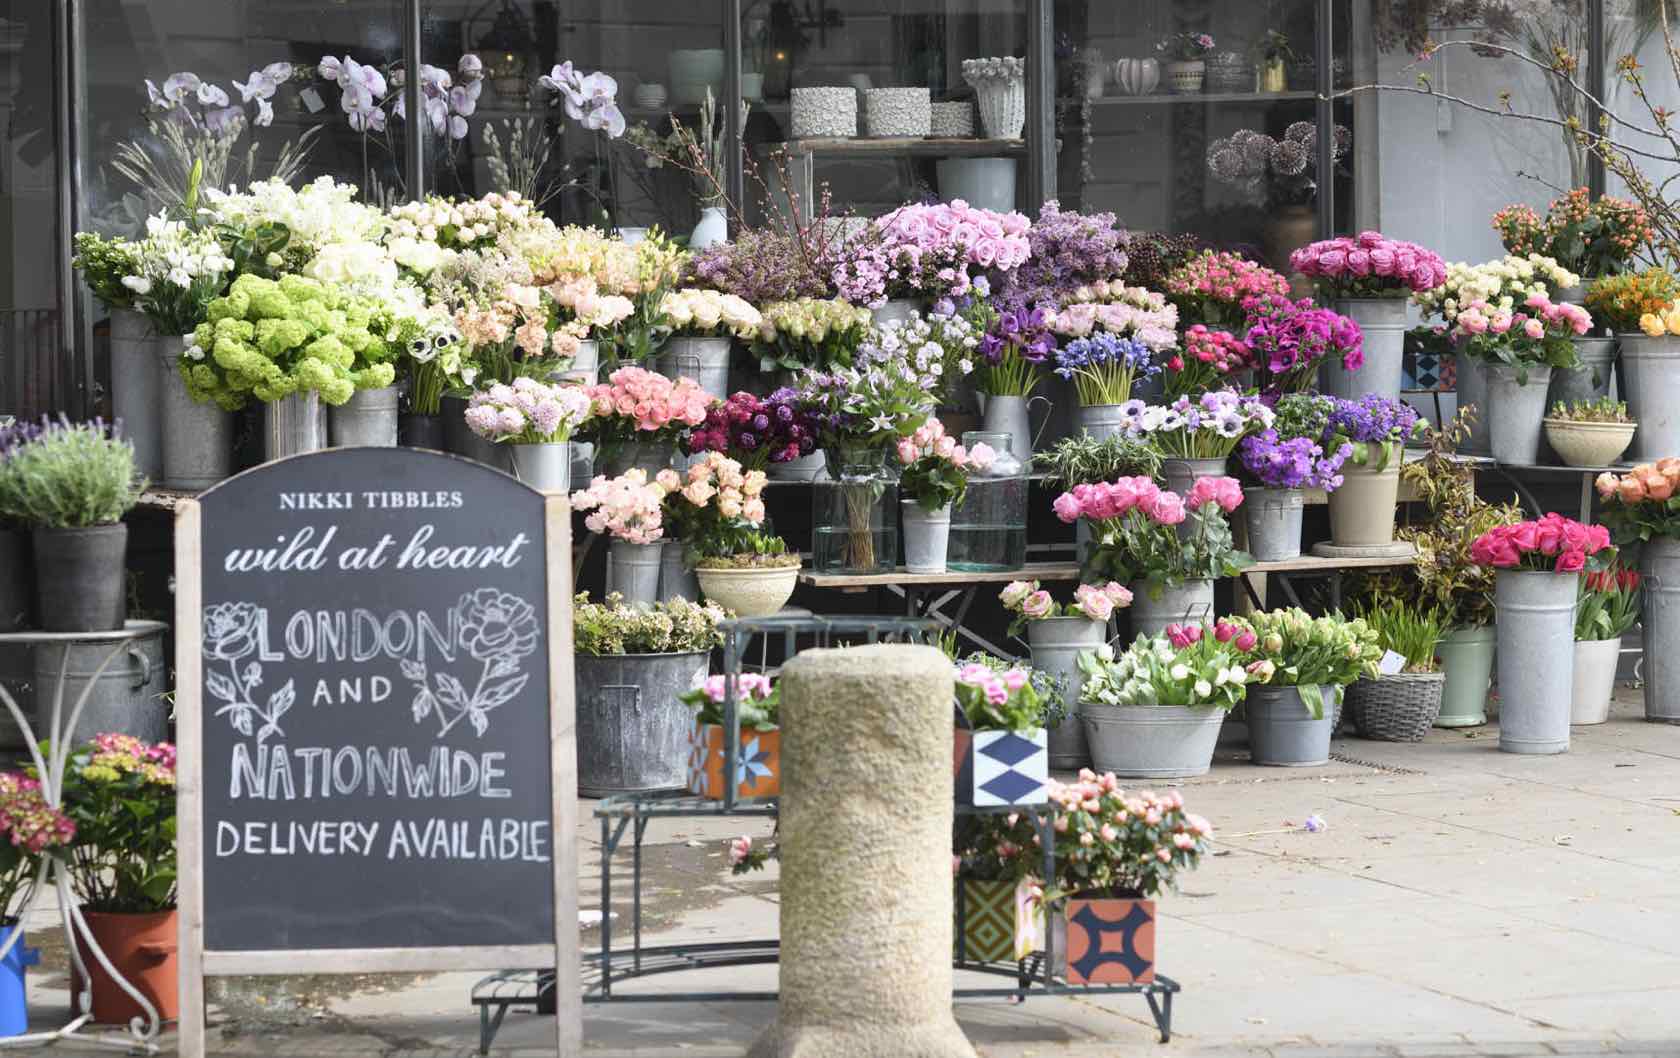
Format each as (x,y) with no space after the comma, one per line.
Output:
(1461,902)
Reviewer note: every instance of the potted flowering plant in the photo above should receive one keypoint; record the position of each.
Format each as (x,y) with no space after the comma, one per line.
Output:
(1114,853)
(1377,428)
(1642,508)
(1520,349)
(1185,56)
(1211,287)
(758,766)
(819,333)
(1136,539)
(1285,468)
(31,830)
(71,485)
(640,415)
(1589,236)
(774,434)
(1001,755)
(661,652)
(1400,703)
(1607,607)
(119,793)
(536,419)
(630,509)
(717,510)
(1290,340)
(1296,665)
(1534,597)
(1590,433)
(1196,437)
(1368,277)
(702,326)
(933,476)
(1056,635)
(1154,711)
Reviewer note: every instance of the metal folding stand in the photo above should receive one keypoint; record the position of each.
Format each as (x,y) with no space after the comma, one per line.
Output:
(628,817)
(141,1033)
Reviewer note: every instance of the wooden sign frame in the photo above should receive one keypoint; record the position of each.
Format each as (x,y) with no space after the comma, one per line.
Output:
(562,955)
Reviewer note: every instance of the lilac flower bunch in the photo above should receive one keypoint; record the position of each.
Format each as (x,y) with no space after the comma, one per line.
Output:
(1069,250)
(1374,425)
(1295,463)
(1104,367)
(1291,338)
(928,251)
(1017,343)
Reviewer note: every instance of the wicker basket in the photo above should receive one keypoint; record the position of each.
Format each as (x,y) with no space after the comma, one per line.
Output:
(1398,708)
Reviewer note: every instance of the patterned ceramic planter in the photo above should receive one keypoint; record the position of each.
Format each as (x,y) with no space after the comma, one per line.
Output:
(1002,767)
(1110,941)
(758,771)
(993,922)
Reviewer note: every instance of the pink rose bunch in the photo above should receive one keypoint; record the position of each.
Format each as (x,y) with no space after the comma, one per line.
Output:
(1128,312)
(1029,602)
(936,467)
(637,401)
(1211,287)
(1098,603)
(927,251)
(628,507)
(1551,543)
(1102,500)
(1369,264)
(1543,320)
(715,506)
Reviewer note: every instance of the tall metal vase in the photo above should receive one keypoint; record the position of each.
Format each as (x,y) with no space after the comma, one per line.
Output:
(368,419)
(1010,415)
(1536,659)
(1661,569)
(293,425)
(1056,644)
(197,438)
(1383,322)
(137,387)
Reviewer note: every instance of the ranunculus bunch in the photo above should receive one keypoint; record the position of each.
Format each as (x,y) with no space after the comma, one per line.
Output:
(1126,311)
(1135,534)
(1289,339)
(1624,300)
(1295,463)
(757,701)
(1209,427)
(707,313)
(1369,265)
(1211,287)
(528,412)
(1104,367)
(636,404)
(810,332)
(1376,426)
(935,468)
(1029,602)
(1504,284)
(1644,502)
(1289,648)
(1539,334)
(628,507)
(1196,669)
(1551,543)
(756,430)
(1209,357)
(926,251)
(998,701)
(714,507)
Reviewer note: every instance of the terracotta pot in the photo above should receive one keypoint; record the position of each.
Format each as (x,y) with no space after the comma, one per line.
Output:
(142,948)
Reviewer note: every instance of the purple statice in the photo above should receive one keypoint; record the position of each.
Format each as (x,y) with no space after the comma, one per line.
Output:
(1069,250)
(1372,419)
(1298,463)
(1291,338)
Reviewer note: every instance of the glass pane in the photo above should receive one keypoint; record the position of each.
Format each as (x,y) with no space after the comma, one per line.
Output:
(1191,118)
(865,46)
(662,57)
(36,377)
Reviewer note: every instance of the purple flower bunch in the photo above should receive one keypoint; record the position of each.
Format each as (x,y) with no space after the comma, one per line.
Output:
(1369,265)
(1372,419)
(928,250)
(1022,332)
(755,431)
(1291,338)
(1298,463)
(1105,366)
(1069,250)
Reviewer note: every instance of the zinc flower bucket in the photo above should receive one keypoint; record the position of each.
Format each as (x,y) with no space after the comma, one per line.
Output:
(1536,659)
(1650,379)
(1661,626)
(1189,601)
(1362,510)
(1516,406)
(1383,322)
(1282,730)
(1274,523)
(1056,643)
(1151,741)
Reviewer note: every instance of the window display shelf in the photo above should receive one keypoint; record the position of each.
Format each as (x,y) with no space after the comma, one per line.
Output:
(1162,98)
(905,145)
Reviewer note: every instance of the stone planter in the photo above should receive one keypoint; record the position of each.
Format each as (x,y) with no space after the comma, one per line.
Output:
(705,360)
(758,764)
(137,387)
(1466,656)
(197,438)
(633,570)
(293,425)
(79,578)
(367,419)
(1056,644)
(1595,680)
(1274,523)
(1516,404)
(898,112)
(1660,567)
(1650,379)
(824,112)
(633,735)
(1185,77)
(1169,604)
(1589,444)
(544,467)
(1383,321)
(927,536)
(1151,741)
(749,592)
(1536,659)
(1282,730)
(1362,510)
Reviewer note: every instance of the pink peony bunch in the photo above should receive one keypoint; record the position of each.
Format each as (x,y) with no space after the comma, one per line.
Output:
(1551,543)
(1369,265)
(642,401)
(628,507)
(926,251)
(1103,500)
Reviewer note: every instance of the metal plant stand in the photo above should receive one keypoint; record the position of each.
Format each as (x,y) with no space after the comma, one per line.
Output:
(141,1033)
(628,816)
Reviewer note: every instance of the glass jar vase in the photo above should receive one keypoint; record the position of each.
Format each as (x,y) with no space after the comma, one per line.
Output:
(854,512)
(989,527)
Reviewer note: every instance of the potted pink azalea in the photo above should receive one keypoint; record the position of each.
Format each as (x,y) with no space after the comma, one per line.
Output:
(628,508)
(1056,635)
(933,477)
(639,415)
(1368,277)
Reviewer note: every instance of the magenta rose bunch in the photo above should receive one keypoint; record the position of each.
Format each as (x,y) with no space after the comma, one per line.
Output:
(1135,534)
(1549,544)
(928,251)
(1369,265)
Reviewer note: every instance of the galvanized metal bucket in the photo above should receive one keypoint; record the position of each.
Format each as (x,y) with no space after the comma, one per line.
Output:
(1536,659)
(1592,379)
(676,576)
(585,367)
(1274,523)
(1473,389)
(1056,644)
(293,425)
(1282,732)
(705,360)
(651,456)
(1010,415)
(1383,322)
(197,438)
(459,438)
(1151,741)
(1190,601)
(632,732)
(1650,379)
(368,419)
(927,537)
(633,570)
(544,467)
(128,698)
(1661,569)
(136,387)
(1100,421)
(1181,474)
(1515,408)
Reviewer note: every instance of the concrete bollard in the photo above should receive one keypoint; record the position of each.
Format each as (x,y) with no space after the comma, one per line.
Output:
(865,836)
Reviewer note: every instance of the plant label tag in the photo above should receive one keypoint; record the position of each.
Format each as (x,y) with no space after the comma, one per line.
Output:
(312,100)
(1391,663)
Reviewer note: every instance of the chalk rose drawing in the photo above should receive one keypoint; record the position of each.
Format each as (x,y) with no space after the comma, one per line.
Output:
(230,636)
(497,630)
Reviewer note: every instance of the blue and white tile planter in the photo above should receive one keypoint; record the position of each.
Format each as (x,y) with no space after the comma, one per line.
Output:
(1002,767)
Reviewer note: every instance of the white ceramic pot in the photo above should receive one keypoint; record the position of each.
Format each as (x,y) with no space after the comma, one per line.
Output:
(952,120)
(749,592)
(1185,77)
(1595,680)
(712,229)
(927,537)
(898,112)
(824,111)
(1137,77)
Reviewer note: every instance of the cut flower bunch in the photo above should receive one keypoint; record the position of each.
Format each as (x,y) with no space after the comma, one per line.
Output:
(1135,534)
(1552,543)
(1028,602)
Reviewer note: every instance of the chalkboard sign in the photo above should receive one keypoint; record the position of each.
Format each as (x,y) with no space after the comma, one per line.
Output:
(372,745)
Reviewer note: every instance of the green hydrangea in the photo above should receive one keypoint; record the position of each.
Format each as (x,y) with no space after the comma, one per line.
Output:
(271,338)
